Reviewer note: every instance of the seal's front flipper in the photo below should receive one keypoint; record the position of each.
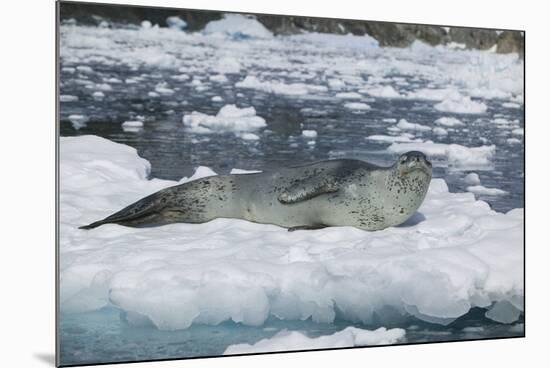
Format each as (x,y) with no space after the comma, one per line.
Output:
(308,188)
(307,227)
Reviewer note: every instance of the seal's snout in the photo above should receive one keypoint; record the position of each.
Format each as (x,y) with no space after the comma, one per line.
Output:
(414,160)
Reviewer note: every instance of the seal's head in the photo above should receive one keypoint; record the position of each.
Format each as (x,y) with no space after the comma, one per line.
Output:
(414,163)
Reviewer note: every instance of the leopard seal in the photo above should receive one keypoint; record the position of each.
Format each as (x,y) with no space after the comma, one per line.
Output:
(341,192)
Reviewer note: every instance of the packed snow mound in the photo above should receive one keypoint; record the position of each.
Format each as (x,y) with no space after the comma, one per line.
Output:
(238,26)
(454,254)
(230,118)
(294,340)
(455,155)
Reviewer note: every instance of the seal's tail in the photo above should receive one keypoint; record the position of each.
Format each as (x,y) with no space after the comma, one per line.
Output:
(135,214)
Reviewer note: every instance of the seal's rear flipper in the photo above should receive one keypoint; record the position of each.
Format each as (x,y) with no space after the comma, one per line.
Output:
(135,214)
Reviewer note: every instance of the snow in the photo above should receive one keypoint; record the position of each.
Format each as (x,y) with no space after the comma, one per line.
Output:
(472,179)
(309,133)
(461,105)
(449,122)
(481,190)
(356,106)
(237,26)
(230,118)
(405,125)
(456,155)
(453,255)
(295,340)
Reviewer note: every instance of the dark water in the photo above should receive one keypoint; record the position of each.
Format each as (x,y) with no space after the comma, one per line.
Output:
(174,152)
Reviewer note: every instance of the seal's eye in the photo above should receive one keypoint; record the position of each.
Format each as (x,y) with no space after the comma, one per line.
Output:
(403,159)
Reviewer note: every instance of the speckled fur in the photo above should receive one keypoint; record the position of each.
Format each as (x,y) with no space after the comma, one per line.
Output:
(328,193)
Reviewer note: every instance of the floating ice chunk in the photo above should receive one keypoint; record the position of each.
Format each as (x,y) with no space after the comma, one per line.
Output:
(249,136)
(383,92)
(357,106)
(503,312)
(103,87)
(228,65)
(511,105)
(348,95)
(473,329)
(472,179)
(336,41)
(176,22)
(178,77)
(153,94)
(68,98)
(518,131)
(68,69)
(449,121)
(434,94)
(403,138)
(389,120)
(132,126)
(84,69)
(277,87)
(112,80)
(439,131)
(513,141)
(220,78)
(311,143)
(455,154)
(146,24)
(78,121)
(98,95)
(241,171)
(238,26)
(229,118)
(217,99)
(336,84)
(163,89)
(462,105)
(405,125)
(294,340)
(502,121)
(309,133)
(481,190)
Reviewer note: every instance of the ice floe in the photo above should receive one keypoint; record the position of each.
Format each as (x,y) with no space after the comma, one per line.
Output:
(449,122)
(230,118)
(461,105)
(295,340)
(357,106)
(405,125)
(277,87)
(453,255)
(238,26)
(481,190)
